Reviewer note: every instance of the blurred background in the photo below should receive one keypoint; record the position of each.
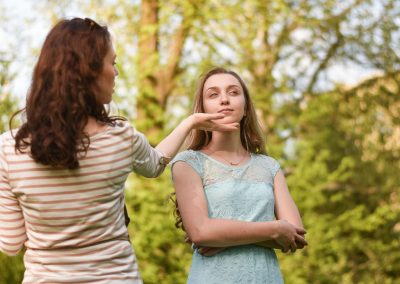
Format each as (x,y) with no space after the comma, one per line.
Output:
(325,78)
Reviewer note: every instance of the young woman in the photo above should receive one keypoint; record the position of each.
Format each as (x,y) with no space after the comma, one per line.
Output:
(62,173)
(232,198)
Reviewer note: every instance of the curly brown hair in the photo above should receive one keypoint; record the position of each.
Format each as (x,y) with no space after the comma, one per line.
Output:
(62,95)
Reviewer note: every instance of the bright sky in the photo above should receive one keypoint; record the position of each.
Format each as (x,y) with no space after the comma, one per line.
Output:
(23,34)
(26,28)
(20,33)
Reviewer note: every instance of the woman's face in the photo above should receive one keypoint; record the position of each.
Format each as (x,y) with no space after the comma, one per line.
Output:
(223,93)
(106,80)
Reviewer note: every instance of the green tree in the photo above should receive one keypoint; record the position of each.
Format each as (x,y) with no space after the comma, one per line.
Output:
(7,102)
(337,148)
(11,268)
(343,175)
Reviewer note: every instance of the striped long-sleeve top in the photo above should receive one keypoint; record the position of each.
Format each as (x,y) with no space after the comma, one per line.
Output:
(72,221)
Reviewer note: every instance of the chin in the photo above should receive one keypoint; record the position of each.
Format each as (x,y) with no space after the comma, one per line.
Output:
(229,119)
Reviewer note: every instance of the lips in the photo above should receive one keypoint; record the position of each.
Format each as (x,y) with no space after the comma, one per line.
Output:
(225,110)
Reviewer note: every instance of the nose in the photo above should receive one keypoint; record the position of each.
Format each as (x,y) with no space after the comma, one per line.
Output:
(224,98)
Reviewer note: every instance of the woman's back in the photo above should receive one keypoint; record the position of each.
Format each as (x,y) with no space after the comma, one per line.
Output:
(72,221)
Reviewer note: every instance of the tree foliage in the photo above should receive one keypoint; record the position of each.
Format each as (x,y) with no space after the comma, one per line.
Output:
(11,268)
(338,145)
(344,180)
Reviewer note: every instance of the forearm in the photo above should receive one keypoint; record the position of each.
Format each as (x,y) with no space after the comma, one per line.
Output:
(12,230)
(212,232)
(211,251)
(269,244)
(204,121)
(285,207)
(291,214)
(170,145)
(225,233)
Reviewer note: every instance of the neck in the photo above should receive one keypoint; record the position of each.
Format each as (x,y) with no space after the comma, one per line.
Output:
(226,142)
(93,126)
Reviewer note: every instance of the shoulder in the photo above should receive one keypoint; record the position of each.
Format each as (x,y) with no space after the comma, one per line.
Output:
(122,126)
(122,129)
(266,159)
(192,158)
(7,138)
(186,156)
(7,143)
(130,130)
(268,163)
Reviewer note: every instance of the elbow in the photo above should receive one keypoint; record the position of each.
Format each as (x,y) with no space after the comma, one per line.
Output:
(11,250)
(12,253)
(158,171)
(198,236)
(197,239)
(203,232)
(12,246)
(151,172)
(155,173)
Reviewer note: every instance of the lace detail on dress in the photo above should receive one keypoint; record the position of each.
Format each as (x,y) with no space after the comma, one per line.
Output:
(259,168)
(192,159)
(240,193)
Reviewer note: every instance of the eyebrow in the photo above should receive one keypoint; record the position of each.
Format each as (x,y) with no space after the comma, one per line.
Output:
(217,88)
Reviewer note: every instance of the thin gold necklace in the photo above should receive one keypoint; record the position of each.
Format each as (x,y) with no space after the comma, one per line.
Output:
(232,163)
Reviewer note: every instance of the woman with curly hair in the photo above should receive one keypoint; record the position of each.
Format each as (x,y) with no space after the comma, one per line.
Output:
(62,173)
(232,198)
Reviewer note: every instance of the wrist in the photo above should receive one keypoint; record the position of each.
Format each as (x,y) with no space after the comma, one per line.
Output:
(275,230)
(189,122)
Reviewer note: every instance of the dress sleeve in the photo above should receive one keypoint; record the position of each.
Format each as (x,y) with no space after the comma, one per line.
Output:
(12,223)
(145,159)
(192,159)
(275,167)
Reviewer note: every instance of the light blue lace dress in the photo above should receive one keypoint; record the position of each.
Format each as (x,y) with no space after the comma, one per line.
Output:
(241,193)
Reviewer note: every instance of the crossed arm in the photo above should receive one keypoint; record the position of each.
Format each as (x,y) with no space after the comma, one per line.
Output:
(220,233)
(285,209)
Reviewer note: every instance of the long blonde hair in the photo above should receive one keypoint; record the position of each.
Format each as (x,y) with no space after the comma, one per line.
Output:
(250,131)
(251,135)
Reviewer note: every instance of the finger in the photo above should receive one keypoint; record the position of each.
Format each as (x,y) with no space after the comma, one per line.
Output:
(211,252)
(200,250)
(217,116)
(300,231)
(285,249)
(213,126)
(293,247)
(227,127)
(213,116)
(301,240)
(283,245)
(217,250)
(300,245)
